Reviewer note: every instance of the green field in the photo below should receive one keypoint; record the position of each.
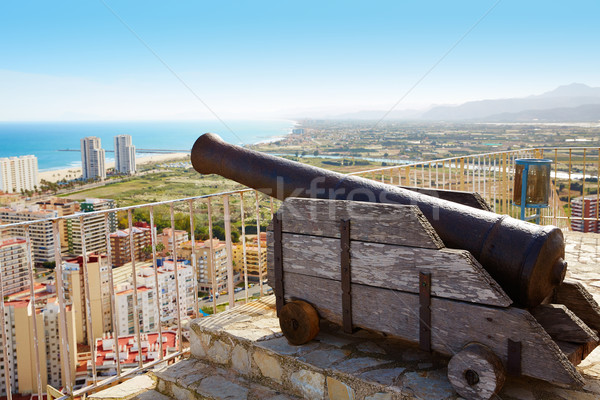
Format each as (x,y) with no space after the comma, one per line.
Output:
(150,188)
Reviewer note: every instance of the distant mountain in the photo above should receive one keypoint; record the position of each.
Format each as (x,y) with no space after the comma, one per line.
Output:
(568,99)
(585,113)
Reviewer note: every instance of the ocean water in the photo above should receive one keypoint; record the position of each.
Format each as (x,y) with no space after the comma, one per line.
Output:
(45,139)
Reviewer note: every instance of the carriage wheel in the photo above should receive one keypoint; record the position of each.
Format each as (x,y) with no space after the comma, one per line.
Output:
(299,322)
(476,373)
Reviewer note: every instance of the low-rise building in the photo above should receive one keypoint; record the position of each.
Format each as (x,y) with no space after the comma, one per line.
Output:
(128,351)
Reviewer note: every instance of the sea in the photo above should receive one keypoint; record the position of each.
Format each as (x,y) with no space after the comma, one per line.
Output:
(45,139)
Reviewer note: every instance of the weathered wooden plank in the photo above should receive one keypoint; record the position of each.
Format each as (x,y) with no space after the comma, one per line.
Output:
(455,274)
(573,351)
(454,324)
(577,299)
(561,324)
(396,224)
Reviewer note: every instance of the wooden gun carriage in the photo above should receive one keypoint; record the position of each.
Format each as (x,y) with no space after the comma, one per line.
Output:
(365,254)
(383,267)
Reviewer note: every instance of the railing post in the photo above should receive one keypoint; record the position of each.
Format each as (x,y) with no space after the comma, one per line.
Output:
(598,193)
(260,278)
(33,313)
(66,373)
(569,189)
(462,173)
(194,259)
(176,271)
(244,259)
(153,240)
(228,247)
(504,181)
(136,313)
(88,305)
(115,320)
(7,336)
(211,258)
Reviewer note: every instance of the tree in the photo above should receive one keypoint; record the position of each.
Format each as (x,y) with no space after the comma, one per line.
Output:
(316,153)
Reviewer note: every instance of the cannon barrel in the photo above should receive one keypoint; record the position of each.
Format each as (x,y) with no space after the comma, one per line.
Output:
(525,259)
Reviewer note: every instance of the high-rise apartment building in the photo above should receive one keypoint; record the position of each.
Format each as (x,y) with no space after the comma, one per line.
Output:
(42,238)
(167,236)
(124,155)
(18,320)
(209,266)
(94,225)
(92,158)
(121,249)
(586,207)
(13,260)
(146,297)
(18,173)
(256,258)
(64,207)
(99,290)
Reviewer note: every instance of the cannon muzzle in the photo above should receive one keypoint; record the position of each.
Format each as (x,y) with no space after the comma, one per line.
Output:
(525,259)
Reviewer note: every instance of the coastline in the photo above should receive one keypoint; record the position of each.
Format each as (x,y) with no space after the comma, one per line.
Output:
(56,175)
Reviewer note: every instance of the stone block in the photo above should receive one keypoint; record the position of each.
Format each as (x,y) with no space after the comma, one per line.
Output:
(353,365)
(379,396)
(333,340)
(324,358)
(385,376)
(217,387)
(151,395)
(219,352)
(573,395)
(196,347)
(337,390)
(429,385)
(269,366)
(240,360)
(281,345)
(370,347)
(126,390)
(310,384)
(181,393)
(171,373)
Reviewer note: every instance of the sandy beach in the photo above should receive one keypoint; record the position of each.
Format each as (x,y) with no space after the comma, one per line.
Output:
(75,172)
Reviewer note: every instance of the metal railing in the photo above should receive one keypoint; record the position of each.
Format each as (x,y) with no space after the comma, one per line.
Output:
(232,206)
(574,174)
(490,174)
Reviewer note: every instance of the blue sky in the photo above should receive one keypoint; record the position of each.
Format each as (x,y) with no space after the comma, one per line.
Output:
(111,59)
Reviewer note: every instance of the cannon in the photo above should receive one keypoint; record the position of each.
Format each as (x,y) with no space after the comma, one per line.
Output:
(486,290)
(526,260)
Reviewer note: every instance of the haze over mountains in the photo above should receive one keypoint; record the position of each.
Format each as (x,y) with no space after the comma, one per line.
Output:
(569,103)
